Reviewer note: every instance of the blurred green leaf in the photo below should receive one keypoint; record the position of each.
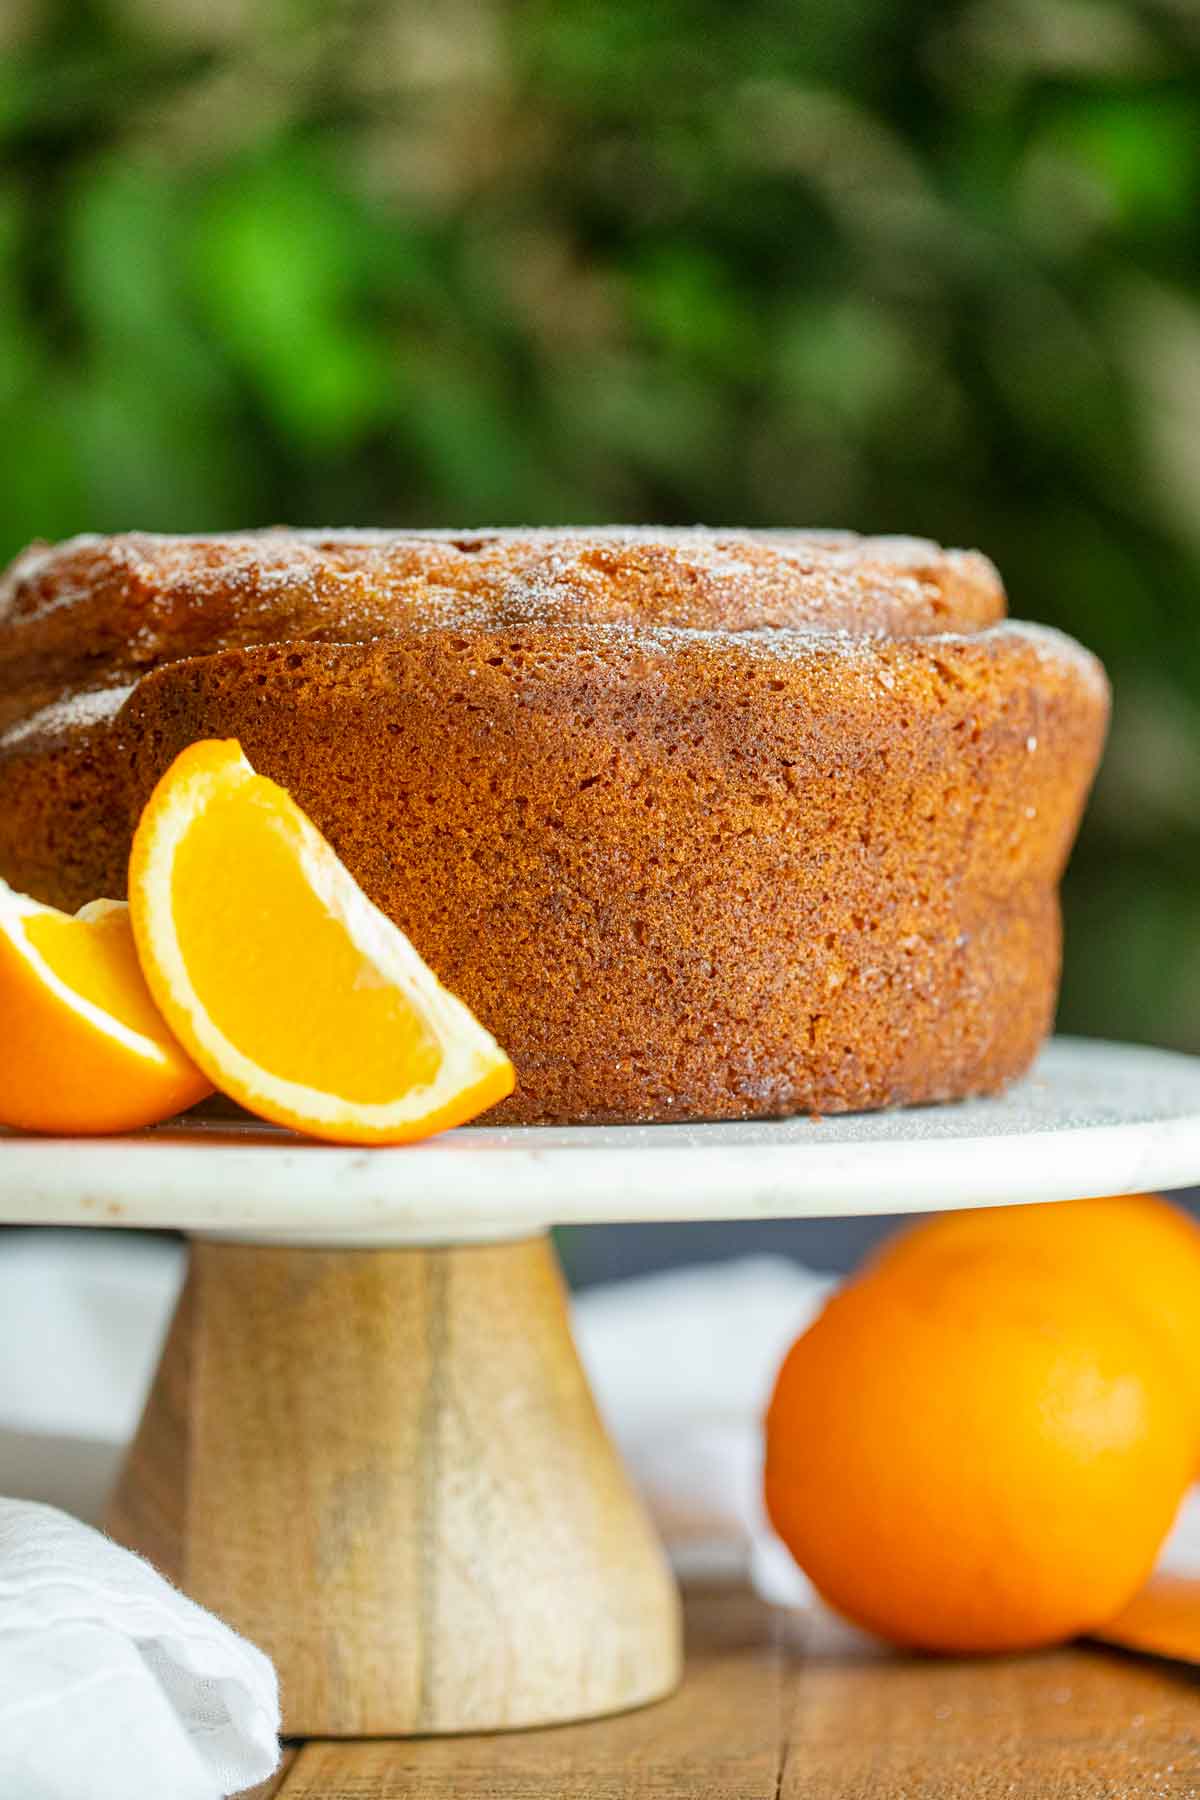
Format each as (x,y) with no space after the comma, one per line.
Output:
(686,303)
(277,267)
(881,263)
(1141,147)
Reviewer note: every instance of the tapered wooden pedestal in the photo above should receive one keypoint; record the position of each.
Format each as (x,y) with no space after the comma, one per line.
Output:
(385,1467)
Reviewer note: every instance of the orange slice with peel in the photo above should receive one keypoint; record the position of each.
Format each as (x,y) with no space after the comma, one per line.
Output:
(83,1048)
(294,993)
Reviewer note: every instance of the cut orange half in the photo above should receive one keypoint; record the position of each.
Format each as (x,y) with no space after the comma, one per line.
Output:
(83,1048)
(294,993)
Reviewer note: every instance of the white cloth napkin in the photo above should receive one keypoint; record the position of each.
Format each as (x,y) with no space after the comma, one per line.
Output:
(112,1684)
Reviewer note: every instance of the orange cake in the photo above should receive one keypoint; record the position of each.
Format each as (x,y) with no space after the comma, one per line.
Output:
(700,824)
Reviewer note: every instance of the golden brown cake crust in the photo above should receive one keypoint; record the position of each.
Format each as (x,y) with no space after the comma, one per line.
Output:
(97,613)
(700,826)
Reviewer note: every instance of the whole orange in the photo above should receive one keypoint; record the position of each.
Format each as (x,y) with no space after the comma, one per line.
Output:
(976,1454)
(1141,1249)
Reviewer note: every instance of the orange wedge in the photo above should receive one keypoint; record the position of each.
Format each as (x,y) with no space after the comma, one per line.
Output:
(83,1048)
(292,992)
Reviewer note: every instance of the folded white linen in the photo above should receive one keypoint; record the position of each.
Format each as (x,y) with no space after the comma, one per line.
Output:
(113,1686)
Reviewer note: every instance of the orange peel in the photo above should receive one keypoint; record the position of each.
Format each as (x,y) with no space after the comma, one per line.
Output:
(83,1048)
(286,985)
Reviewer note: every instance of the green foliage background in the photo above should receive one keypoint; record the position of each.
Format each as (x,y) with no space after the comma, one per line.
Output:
(882,263)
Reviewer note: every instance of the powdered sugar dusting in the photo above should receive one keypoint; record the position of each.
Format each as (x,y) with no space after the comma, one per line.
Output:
(93,708)
(691,576)
(32,563)
(99,613)
(1056,649)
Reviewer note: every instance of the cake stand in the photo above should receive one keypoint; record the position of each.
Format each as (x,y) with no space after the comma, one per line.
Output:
(370,1444)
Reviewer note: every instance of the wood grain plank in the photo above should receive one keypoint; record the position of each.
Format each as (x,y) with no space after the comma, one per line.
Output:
(1075,1724)
(785,1707)
(267,1790)
(719,1738)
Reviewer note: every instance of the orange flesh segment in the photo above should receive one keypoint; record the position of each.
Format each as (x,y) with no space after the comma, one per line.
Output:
(83,1048)
(309,1007)
(295,994)
(98,960)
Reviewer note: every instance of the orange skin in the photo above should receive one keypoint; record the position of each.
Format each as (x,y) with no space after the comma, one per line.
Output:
(1139,1248)
(298,998)
(977,1454)
(67,986)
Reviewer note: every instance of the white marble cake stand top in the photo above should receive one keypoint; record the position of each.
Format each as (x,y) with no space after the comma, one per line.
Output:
(1092,1118)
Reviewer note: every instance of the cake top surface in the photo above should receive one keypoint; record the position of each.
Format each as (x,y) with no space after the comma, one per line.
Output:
(99,612)
(707,578)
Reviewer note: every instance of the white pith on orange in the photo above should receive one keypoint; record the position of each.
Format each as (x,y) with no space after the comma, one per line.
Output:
(295,994)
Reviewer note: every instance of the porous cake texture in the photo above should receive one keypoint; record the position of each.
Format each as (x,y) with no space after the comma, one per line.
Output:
(701,824)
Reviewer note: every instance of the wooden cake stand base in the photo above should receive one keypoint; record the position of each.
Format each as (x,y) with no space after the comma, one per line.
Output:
(386,1468)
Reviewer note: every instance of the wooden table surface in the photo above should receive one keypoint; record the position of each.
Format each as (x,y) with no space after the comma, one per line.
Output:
(780,1706)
